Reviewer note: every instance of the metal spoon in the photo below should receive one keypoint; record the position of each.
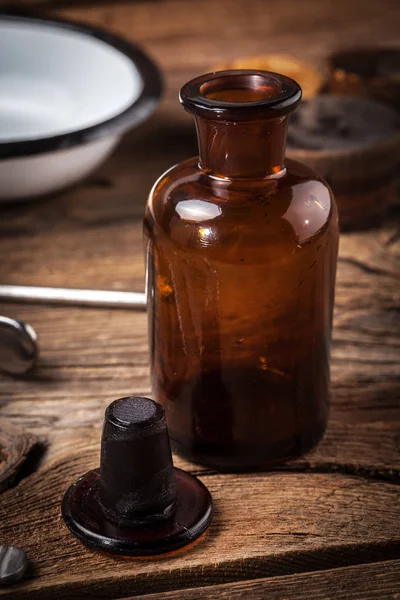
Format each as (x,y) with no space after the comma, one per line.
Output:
(18,346)
(50,295)
(18,343)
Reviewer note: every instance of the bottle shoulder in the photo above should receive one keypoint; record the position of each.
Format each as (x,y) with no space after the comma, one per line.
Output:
(296,206)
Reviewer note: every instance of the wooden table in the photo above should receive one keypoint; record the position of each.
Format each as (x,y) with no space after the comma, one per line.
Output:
(325,526)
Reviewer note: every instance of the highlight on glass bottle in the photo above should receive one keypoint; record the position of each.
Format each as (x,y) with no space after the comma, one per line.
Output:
(241,259)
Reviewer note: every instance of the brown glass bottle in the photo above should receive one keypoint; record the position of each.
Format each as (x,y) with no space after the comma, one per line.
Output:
(241,260)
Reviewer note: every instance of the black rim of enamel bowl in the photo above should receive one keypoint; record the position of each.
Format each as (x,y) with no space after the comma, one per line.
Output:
(134,114)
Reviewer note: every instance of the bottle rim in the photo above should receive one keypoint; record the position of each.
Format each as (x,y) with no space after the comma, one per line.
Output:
(267,95)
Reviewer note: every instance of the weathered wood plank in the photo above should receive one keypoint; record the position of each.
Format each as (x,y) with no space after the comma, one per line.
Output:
(360,582)
(265,525)
(90,357)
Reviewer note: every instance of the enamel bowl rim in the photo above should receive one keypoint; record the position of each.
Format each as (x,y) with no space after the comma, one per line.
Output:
(138,110)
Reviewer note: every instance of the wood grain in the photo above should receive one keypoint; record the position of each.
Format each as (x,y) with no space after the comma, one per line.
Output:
(265,524)
(19,450)
(361,582)
(336,506)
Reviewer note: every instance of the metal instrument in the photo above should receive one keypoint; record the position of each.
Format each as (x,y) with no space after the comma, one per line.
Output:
(67,296)
(18,346)
(18,343)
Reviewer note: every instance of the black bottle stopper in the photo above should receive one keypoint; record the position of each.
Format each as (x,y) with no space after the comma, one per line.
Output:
(137,503)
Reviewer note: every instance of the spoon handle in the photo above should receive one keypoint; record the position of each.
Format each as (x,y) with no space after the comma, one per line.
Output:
(50,295)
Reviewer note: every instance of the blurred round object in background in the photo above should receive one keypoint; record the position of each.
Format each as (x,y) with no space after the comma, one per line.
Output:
(368,72)
(310,80)
(68,93)
(354,144)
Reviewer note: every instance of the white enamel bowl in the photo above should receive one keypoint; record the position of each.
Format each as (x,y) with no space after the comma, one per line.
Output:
(67,94)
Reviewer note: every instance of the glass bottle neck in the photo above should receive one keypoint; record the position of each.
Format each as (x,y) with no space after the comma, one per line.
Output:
(243,149)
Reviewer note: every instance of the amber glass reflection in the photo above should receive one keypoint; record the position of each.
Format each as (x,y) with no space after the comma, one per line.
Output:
(241,256)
